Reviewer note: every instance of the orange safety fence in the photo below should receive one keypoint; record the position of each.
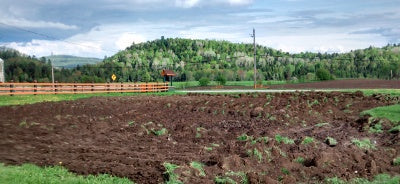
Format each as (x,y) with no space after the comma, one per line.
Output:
(76,88)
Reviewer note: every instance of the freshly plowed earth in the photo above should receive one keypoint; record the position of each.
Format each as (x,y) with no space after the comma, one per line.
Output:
(117,136)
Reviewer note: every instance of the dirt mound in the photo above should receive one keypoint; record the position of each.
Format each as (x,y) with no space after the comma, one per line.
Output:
(259,137)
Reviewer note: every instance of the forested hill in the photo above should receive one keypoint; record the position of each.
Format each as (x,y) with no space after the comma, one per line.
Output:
(193,59)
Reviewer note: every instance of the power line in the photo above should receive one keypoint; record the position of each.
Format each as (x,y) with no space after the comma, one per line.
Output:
(54,38)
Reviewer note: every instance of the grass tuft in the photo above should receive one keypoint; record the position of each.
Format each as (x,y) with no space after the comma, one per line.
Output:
(283,139)
(363,144)
(198,166)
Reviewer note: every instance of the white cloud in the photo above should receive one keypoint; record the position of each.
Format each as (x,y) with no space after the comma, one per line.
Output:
(126,39)
(21,22)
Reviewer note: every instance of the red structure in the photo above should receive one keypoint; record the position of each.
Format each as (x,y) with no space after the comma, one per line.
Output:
(168,74)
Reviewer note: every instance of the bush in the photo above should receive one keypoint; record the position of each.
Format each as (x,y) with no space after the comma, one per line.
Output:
(323,74)
(204,81)
(221,79)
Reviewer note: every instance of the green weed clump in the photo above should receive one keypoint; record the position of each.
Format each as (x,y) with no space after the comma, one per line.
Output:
(300,160)
(395,129)
(160,132)
(283,139)
(331,141)
(28,173)
(363,144)
(307,140)
(169,171)
(377,128)
(198,166)
(396,161)
(245,137)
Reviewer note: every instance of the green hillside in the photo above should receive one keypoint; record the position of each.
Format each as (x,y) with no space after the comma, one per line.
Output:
(67,61)
(211,59)
(194,59)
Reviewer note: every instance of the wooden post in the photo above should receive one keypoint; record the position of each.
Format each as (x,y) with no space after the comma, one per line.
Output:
(35,87)
(108,87)
(55,87)
(11,87)
(92,87)
(122,87)
(75,88)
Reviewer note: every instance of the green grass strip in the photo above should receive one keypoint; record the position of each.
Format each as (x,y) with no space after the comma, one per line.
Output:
(31,174)
(391,112)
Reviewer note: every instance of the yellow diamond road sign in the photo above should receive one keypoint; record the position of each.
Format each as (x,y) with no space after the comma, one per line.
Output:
(113,77)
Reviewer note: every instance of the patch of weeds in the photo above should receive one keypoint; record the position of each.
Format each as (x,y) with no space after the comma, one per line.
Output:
(330,111)
(24,124)
(244,137)
(242,175)
(331,141)
(211,147)
(257,154)
(160,132)
(334,180)
(202,109)
(206,102)
(199,167)
(347,111)
(321,124)
(224,180)
(348,105)
(272,118)
(396,161)
(315,102)
(283,139)
(299,160)
(285,171)
(377,128)
(307,140)
(395,129)
(262,139)
(168,105)
(235,96)
(251,105)
(255,95)
(303,123)
(363,144)
(198,131)
(131,123)
(172,178)
(287,116)
(215,112)
(268,154)
(325,99)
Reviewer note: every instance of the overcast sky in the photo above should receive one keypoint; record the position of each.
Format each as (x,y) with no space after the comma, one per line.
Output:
(95,28)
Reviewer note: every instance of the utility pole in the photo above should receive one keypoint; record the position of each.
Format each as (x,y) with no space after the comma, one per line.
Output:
(52,72)
(52,69)
(255,59)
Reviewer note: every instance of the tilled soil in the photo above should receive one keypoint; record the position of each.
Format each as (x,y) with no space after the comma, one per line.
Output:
(332,84)
(118,136)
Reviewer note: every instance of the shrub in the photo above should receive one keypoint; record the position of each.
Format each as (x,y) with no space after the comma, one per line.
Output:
(221,79)
(204,81)
(396,161)
(323,74)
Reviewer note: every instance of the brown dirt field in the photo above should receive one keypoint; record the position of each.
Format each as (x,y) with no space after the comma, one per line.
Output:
(344,84)
(333,84)
(115,135)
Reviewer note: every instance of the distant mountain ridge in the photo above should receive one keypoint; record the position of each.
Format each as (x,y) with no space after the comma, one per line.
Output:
(68,61)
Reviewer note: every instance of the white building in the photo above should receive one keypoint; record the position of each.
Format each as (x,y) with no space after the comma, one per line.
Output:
(2,77)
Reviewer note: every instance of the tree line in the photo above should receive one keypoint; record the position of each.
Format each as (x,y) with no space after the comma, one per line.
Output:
(195,59)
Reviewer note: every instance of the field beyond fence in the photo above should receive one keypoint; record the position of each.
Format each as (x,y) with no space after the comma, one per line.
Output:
(79,88)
